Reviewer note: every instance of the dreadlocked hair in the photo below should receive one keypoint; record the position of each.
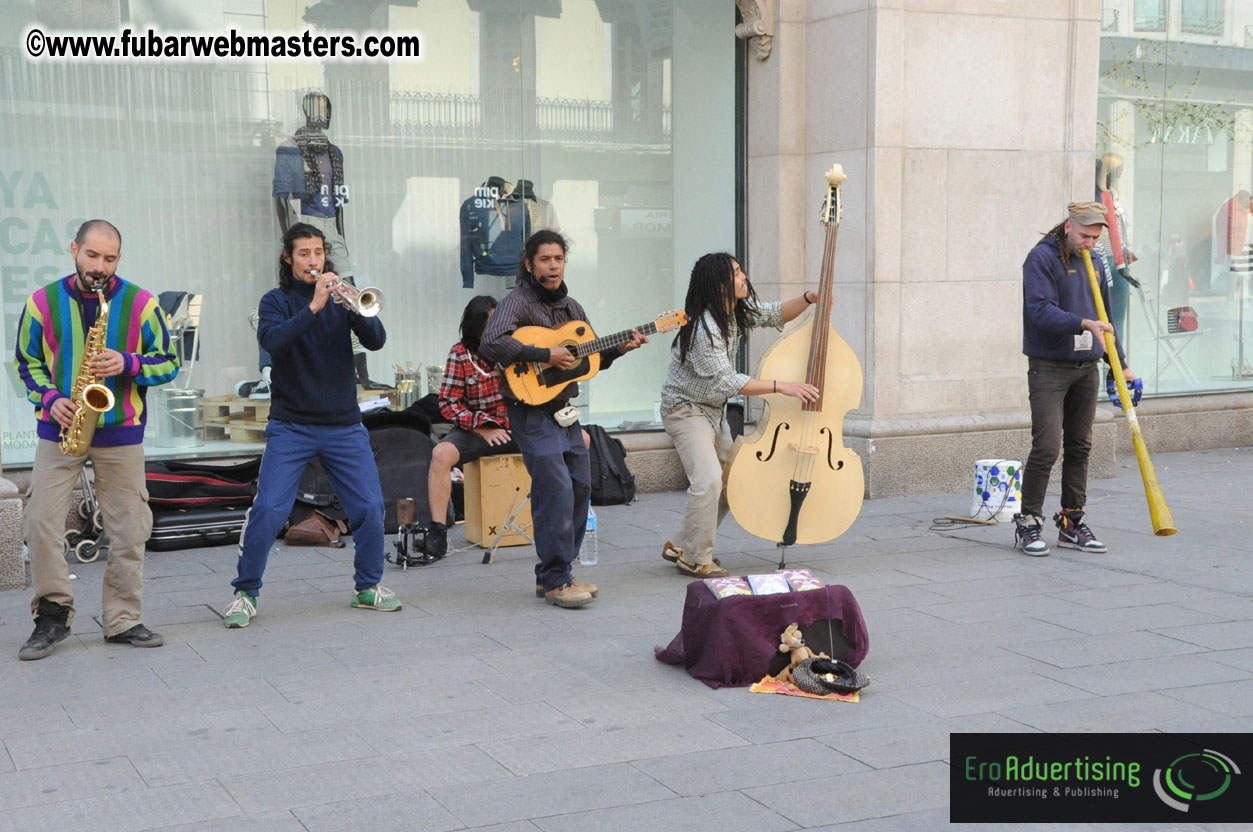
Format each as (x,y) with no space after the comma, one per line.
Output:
(1058,235)
(711,291)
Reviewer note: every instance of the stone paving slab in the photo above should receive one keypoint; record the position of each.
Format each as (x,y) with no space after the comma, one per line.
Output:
(861,795)
(1242,659)
(139,809)
(269,821)
(55,784)
(378,776)
(732,812)
(550,793)
(616,745)
(709,772)
(1135,712)
(1130,677)
(891,746)
(1084,651)
(480,707)
(413,812)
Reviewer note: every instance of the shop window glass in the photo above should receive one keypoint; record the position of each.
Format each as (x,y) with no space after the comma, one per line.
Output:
(1150,15)
(577,114)
(1175,160)
(1201,17)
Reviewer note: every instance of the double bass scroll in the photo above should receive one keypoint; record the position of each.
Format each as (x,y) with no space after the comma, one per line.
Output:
(794,480)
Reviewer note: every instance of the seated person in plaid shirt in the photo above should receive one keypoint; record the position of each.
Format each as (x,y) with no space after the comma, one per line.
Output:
(721,304)
(469,398)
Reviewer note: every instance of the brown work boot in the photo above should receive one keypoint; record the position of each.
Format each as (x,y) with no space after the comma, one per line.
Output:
(592,588)
(569,596)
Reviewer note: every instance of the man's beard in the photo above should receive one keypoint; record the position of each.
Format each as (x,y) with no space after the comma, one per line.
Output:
(91,281)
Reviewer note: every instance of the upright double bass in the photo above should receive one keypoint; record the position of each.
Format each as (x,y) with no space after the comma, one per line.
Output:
(794,481)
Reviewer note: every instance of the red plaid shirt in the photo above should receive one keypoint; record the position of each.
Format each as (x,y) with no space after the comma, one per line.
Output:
(470,395)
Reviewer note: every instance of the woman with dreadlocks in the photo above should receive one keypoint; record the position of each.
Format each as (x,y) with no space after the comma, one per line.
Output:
(721,304)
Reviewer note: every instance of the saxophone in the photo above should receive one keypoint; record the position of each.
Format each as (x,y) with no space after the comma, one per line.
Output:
(90,396)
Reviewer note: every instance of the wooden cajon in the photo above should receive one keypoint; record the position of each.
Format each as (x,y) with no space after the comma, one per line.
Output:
(495,485)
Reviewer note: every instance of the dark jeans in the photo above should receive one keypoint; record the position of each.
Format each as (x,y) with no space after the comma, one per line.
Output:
(349,464)
(561,484)
(1063,406)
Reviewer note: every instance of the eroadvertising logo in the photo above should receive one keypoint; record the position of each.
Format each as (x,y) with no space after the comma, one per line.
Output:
(1194,778)
(1099,778)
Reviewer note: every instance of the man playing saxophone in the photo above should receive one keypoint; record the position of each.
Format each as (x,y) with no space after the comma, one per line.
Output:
(74,339)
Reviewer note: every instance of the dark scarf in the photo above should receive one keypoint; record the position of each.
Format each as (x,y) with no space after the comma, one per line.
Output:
(548,296)
(312,141)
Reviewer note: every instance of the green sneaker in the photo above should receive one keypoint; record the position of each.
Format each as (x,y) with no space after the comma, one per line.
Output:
(241,610)
(376,598)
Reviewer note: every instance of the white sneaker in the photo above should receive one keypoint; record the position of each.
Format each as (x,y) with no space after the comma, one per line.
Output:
(1028,533)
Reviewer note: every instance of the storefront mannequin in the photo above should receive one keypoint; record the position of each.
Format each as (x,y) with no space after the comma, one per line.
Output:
(309,187)
(1233,241)
(541,211)
(494,223)
(1113,244)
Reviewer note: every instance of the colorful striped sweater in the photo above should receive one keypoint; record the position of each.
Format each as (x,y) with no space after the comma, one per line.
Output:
(50,340)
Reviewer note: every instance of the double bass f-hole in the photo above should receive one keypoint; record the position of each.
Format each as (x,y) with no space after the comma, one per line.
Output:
(837,464)
(773,442)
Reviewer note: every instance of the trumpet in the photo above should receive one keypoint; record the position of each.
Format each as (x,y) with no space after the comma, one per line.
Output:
(366,302)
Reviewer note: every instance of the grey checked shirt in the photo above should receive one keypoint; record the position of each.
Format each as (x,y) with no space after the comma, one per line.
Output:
(708,378)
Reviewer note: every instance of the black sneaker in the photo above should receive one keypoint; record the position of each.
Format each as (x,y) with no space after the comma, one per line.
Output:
(1073,533)
(50,627)
(435,545)
(137,636)
(1029,534)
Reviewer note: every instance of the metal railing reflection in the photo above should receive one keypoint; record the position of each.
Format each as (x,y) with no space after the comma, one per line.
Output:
(1205,25)
(510,114)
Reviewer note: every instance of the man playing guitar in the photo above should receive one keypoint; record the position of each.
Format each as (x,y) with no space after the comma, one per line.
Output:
(549,434)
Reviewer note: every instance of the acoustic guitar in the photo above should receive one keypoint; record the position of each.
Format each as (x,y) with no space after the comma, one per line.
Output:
(537,383)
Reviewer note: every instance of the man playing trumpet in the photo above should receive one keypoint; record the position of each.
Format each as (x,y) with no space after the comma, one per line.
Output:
(1062,337)
(313,413)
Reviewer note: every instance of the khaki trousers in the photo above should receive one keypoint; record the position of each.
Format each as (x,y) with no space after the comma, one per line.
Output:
(703,450)
(123,496)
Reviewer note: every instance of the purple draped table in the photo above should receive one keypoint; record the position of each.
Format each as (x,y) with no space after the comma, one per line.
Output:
(731,641)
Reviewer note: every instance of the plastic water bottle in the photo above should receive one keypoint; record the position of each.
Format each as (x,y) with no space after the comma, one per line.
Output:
(590,549)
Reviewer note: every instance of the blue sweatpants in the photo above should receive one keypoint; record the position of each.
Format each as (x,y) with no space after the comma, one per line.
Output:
(561,478)
(349,463)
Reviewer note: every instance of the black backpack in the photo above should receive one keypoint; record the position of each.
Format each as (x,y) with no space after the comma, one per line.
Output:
(613,483)
(402,451)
